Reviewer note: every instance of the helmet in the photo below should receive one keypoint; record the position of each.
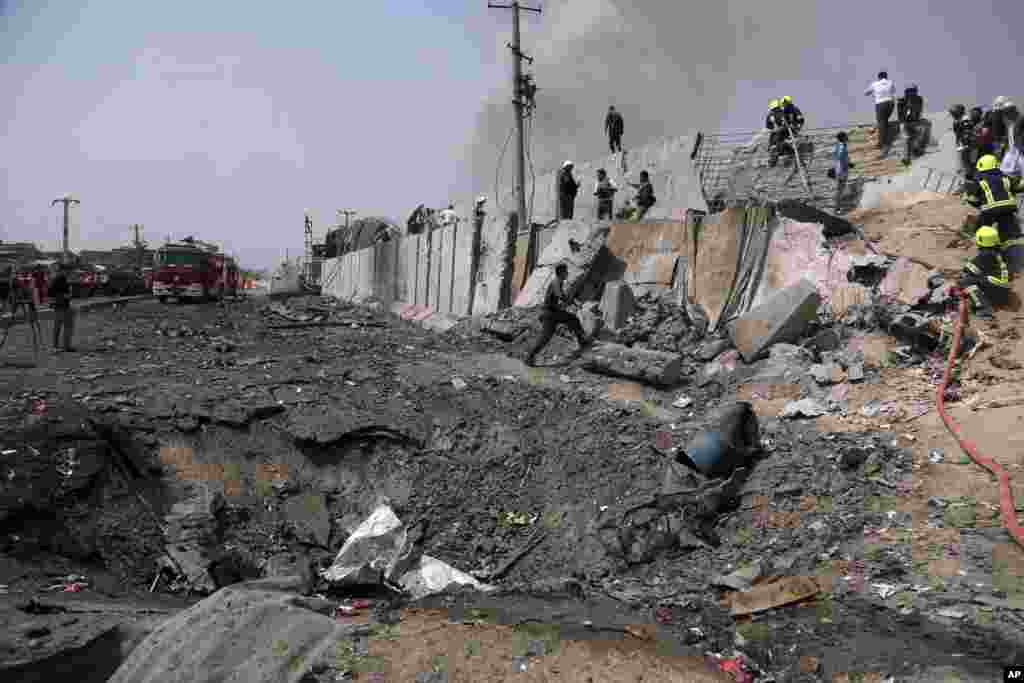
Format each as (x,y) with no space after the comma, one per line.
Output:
(773,104)
(987,236)
(987,163)
(787,99)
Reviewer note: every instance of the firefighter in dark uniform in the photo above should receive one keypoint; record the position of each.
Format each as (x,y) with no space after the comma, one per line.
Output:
(794,117)
(776,123)
(995,196)
(985,278)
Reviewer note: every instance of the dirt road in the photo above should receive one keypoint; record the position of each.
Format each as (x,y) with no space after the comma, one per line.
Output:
(200,420)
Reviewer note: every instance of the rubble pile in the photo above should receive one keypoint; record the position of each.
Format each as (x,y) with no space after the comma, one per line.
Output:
(659,324)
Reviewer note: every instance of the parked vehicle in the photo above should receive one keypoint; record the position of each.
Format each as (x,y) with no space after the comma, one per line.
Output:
(125,282)
(84,281)
(192,269)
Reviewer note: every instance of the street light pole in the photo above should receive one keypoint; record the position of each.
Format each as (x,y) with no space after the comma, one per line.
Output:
(67,200)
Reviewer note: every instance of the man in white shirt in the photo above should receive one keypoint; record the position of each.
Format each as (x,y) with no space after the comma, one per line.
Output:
(884,92)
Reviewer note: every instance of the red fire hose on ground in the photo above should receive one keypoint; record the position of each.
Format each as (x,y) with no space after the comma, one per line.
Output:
(1006,506)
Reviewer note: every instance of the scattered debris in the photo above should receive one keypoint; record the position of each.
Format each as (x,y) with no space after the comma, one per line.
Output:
(683,401)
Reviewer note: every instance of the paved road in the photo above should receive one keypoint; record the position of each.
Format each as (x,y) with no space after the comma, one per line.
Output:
(45,312)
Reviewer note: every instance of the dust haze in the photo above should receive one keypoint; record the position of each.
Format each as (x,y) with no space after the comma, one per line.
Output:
(668,67)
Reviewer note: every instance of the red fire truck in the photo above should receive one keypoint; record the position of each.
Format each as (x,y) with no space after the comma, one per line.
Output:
(192,269)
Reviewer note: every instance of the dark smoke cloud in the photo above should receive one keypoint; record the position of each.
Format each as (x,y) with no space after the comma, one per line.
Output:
(668,66)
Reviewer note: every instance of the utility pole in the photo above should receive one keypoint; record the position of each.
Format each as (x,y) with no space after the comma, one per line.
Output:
(67,200)
(520,106)
(140,246)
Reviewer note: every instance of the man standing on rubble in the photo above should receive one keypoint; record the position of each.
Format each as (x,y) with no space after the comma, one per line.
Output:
(909,110)
(554,314)
(604,190)
(613,126)
(63,313)
(568,186)
(963,130)
(995,196)
(986,277)
(884,93)
(840,167)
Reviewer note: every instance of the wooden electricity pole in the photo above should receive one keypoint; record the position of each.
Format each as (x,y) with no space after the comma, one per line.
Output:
(520,106)
(67,200)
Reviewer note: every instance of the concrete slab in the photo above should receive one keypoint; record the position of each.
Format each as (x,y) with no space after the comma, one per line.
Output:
(617,304)
(578,244)
(780,319)
(713,266)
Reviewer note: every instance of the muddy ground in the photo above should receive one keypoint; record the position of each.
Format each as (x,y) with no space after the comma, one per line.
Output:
(259,450)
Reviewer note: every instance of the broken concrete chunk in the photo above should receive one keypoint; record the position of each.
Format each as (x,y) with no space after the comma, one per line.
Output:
(617,304)
(829,373)
(710,350)
(807,407)
(783,318)
(652,367)
(591,319)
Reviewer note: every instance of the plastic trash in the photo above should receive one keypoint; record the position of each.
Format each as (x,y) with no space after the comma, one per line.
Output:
(717,452)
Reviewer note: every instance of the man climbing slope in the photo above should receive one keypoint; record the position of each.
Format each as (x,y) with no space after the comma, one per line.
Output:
(884,93)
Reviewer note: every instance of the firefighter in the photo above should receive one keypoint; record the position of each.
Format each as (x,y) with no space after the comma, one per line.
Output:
(995,196)
(794,117)
(554,314)
(776,123)
(63,313)
(985,278)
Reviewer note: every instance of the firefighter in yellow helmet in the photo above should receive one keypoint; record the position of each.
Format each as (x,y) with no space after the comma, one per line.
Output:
(985,278)
(995,197)
(776,123)
(794,117)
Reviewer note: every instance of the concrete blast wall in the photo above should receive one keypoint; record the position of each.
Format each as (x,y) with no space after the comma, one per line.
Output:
(431,271)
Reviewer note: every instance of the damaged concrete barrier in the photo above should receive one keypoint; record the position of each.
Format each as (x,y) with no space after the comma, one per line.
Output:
(618,303)
(783,318)
(579,245)
(652,367)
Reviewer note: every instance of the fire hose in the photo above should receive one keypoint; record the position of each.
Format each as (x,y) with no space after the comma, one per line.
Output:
(1006,505)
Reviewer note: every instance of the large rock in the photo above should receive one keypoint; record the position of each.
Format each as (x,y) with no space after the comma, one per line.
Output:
(652,367)
(617,304)
(783,318)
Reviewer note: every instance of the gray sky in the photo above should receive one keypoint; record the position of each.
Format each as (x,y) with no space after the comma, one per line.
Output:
(226,119)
